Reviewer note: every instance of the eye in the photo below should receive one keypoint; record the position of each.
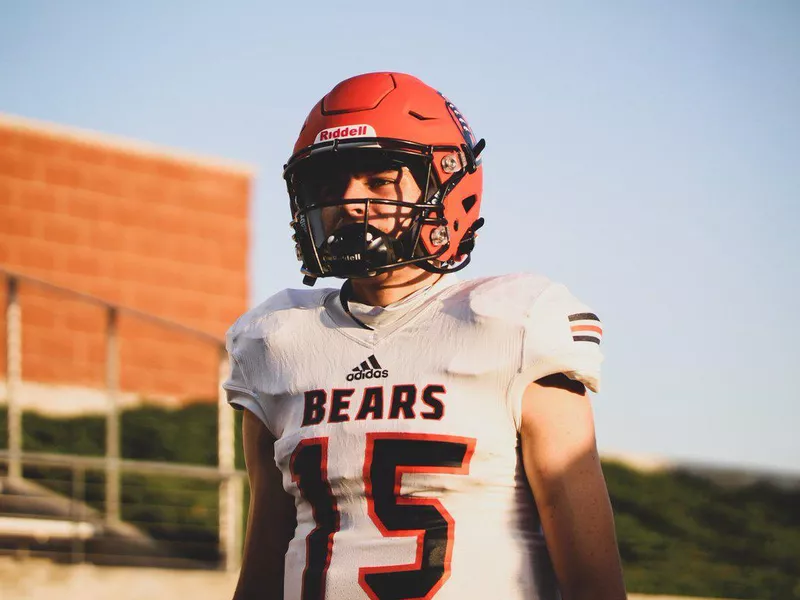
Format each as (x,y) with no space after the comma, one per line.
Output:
(330,188)
(380,182)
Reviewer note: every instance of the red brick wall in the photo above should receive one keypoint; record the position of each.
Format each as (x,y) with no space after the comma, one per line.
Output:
(146,229)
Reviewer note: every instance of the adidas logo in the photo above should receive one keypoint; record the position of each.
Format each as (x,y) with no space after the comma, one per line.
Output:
(369,369)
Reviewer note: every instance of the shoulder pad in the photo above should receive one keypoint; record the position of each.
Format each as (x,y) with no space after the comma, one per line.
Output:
(246,342)
(287,299)
(507,297)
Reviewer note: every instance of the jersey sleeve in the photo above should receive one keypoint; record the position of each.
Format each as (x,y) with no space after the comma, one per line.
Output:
(244,358)
(560,335)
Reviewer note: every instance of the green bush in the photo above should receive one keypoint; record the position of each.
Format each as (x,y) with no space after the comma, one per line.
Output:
(681,534)
(182,512)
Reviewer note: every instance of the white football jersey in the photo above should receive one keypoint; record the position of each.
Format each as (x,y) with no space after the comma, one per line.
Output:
(400,443)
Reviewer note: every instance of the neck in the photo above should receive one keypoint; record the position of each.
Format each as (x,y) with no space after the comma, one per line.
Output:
(391,286)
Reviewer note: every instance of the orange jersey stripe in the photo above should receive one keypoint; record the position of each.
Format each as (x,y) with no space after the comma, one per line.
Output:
(594,328)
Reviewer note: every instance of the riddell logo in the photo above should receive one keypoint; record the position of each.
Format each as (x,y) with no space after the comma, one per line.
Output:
(369,369)
(344,132)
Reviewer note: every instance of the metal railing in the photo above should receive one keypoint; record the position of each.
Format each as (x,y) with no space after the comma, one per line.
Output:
(230,481)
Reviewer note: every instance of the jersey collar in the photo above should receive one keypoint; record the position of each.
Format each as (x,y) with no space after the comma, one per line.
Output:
(378,317)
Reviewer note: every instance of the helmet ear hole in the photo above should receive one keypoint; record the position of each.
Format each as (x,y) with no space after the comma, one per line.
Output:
(469,202)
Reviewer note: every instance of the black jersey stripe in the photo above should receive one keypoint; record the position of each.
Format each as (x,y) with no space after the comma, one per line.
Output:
(583,317)
(586,338)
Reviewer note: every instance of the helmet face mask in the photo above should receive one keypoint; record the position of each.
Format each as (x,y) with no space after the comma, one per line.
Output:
(361,236)
(340,234)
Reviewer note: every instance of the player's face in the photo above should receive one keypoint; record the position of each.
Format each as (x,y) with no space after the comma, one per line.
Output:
(396,184)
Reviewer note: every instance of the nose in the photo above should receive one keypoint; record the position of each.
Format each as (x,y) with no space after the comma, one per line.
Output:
(356,189)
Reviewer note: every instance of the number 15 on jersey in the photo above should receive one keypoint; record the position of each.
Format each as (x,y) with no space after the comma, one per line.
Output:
(387,458)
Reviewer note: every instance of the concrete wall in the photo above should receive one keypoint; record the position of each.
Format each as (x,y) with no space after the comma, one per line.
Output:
(31,579)
(154,230)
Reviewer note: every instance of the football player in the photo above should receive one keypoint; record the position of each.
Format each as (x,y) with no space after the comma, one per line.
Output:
(414,435)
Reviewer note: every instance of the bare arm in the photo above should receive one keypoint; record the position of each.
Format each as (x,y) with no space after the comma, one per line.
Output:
(271,519)
(563,469)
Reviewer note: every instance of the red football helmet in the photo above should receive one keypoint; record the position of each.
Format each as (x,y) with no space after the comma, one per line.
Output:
(386,121)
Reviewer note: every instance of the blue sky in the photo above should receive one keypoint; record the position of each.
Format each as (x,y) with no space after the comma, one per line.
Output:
(647,154)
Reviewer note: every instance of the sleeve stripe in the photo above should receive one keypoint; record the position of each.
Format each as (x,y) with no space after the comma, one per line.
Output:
(595,328)
(584,317)
(586,338)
